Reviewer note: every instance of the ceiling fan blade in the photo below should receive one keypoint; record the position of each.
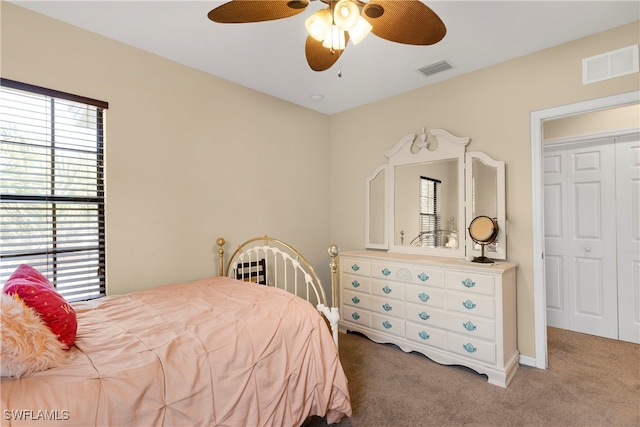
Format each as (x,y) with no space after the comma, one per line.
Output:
(408,22)
(242,11)
(319,57)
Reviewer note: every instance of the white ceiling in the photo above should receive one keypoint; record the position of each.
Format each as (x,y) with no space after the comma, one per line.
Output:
(269,56)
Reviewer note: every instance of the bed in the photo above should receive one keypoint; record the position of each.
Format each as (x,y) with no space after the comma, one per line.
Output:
(220,351)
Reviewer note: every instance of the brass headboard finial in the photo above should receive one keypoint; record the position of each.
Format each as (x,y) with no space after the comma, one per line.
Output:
(220,242)
(334,251)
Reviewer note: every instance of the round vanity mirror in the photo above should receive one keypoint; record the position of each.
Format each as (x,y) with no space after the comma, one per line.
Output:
(483,230)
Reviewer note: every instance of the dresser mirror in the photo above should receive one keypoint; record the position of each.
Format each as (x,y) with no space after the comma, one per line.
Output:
(416,203)
(427,188)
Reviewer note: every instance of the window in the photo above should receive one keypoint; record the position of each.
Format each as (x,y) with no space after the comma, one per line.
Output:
(430,212)
(52,187)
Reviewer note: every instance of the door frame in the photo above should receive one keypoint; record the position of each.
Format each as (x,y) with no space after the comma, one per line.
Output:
(537,204)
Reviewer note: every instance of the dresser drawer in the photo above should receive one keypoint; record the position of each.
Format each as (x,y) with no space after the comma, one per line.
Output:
(471,326)
(427,335)
(359,283)
(388,324)
(354,315)
(387,288)
(472,304)
(473,348)
(425,295)
(355,266)
(386,306)
(426,315)
(475,283)
(408,273)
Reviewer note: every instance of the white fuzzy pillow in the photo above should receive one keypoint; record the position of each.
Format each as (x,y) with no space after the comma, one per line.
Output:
(28,345)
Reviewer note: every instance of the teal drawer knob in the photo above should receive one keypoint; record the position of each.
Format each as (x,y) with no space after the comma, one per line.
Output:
(355,300)
(468,304)
(386,272)
(386,324)
(468,283)
(423,277)
(355,267)
(355,315)
(424,335)
(387,307)
(469,326)
(386,290)
(424,316)
(423,297)
(469,347)
(355,283)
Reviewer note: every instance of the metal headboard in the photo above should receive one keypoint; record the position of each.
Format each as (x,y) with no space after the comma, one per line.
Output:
(286,268)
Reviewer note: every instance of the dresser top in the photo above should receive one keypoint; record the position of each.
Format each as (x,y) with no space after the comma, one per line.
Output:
(461,263)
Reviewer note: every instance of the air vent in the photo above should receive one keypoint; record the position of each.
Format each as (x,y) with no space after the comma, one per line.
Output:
(609,65)
(435,68)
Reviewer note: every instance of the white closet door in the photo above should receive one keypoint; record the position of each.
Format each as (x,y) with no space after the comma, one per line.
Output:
(556,275)
(580,223)
(628,207)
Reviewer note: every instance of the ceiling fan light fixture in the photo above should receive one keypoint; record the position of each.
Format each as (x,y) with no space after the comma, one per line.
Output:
(319,24)
(408,22)
(334,39)
(346,14)
(360,30)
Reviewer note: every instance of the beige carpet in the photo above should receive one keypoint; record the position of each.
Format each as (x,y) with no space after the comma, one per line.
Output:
(590,381)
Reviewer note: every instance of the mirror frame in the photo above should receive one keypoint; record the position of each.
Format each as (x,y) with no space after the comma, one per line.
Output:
(447,147)
(384,169)
(501,217)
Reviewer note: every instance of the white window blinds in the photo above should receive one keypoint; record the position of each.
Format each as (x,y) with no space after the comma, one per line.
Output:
(52,188)
(430,235)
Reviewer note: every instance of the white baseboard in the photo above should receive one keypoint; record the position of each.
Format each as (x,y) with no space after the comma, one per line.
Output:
(528,360)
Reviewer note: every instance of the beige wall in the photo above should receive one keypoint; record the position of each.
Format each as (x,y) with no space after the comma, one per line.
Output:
(492,106)
(620,118)
(189,157)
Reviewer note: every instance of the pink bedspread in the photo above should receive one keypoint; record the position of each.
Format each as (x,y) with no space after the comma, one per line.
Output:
(214,352)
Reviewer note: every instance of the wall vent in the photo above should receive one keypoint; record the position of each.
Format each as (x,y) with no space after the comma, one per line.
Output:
(435,68)
(608,65)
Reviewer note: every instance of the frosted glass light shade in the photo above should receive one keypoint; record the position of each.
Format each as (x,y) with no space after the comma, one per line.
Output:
(359,32)
(319,24)
(346,14)
(334,39)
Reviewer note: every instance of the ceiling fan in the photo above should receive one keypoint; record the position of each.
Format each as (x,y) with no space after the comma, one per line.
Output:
(330,29)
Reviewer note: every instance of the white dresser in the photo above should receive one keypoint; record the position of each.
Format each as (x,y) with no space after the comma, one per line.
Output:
(453,311)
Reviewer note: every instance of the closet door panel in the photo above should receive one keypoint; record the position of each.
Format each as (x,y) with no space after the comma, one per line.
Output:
(581,239)
(592,244)
(555,225)
(628,219)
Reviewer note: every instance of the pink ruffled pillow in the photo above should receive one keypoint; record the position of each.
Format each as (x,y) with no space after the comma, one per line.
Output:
(37,292)
(27,344)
